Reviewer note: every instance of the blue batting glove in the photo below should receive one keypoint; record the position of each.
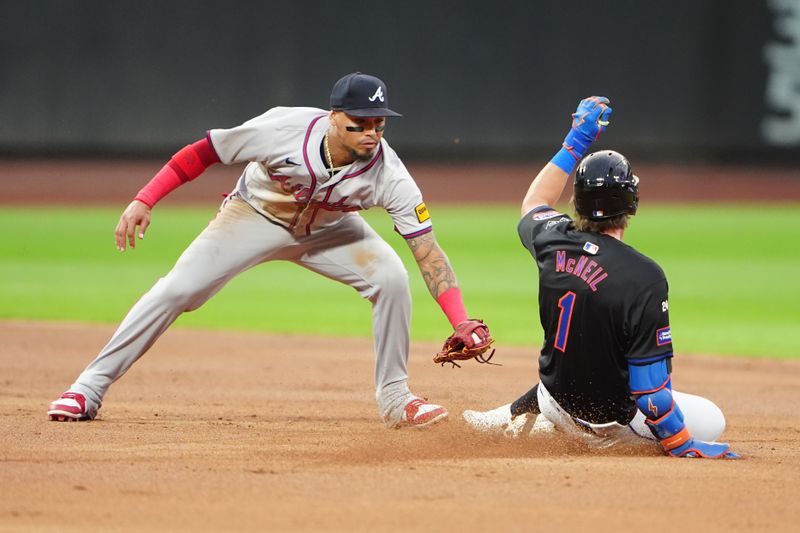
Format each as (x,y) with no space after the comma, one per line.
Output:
(705,450)
(588,122)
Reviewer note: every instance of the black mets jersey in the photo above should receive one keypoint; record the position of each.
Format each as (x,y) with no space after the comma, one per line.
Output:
(601,304)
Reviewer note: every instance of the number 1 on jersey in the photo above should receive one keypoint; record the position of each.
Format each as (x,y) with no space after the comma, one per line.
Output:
(566,303)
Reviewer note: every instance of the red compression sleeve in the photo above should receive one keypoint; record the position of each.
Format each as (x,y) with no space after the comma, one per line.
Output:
(188,163)
(453,306)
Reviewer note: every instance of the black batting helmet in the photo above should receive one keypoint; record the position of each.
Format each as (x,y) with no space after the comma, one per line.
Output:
(605,186)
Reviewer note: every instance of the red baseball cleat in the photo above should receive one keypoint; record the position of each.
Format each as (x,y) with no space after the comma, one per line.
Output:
(70,407)
(418,413)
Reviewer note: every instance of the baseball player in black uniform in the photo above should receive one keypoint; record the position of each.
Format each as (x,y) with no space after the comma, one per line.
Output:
(605,364)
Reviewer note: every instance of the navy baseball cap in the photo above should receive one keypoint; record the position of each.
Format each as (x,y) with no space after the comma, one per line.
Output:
(361,95)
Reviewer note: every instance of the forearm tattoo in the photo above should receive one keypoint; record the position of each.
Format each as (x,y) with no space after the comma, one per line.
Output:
(433,264)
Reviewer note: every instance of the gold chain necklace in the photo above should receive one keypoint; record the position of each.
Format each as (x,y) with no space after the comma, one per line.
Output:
(331,169)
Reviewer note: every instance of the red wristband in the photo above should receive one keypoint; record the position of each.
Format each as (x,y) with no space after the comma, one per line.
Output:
(188,163)
(157,188)
(453,306)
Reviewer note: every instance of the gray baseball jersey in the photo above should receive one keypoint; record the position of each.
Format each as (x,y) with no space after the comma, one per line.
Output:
(287,180)
(286,207)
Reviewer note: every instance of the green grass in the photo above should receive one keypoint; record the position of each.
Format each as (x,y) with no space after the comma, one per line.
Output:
(734,284)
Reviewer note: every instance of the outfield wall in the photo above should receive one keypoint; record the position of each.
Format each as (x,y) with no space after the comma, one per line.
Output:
(714,80)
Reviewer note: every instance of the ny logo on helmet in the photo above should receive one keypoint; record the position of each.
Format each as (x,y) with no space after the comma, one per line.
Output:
(378,95)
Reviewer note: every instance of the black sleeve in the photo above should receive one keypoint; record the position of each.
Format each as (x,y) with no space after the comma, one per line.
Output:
(648,325)
(537,220)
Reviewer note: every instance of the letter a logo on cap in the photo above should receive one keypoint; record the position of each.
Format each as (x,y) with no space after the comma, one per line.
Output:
(378,95)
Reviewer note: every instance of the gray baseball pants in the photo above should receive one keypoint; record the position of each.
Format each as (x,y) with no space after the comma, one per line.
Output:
(239,238)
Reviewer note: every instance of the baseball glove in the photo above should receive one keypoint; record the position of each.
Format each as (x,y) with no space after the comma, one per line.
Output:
(470,340)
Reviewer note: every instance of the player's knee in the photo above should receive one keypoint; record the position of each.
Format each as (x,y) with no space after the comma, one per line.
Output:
(389,281)
(713,424)
(391,288)
(717,425)
(703,417)
(178,293)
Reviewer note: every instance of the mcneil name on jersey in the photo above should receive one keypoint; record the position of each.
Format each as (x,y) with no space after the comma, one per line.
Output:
(581,267)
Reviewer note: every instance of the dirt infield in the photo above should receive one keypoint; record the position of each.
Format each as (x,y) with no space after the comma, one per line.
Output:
(232,431)
(248,432)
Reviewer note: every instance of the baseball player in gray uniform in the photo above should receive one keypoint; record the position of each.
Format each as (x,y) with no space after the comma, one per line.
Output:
(308,172)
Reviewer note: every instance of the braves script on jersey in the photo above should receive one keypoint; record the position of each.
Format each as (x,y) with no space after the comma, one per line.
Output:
(618,297)
(287,181)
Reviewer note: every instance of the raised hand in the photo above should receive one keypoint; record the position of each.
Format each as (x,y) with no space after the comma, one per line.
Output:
(588,122)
